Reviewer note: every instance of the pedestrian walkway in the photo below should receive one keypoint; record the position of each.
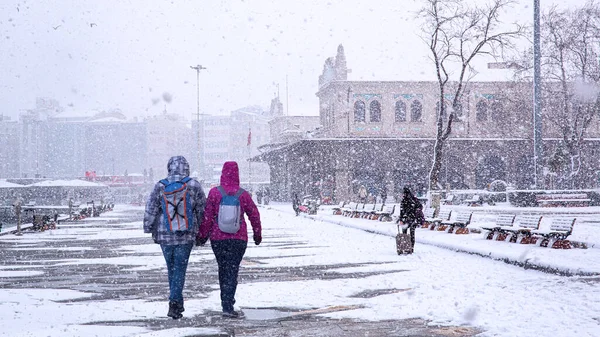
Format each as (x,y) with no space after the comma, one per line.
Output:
(557,261)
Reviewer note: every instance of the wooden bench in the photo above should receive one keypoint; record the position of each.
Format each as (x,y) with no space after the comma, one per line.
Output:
(474,201)
(396,214)
(365,213)
(351,207)
(556,236)
(493,231)
(462,220)
(386,212)
(520,231)
(443,215)
(563,199)
(338,209)
(429,215)
(357,211)
(376,212)
(449,199)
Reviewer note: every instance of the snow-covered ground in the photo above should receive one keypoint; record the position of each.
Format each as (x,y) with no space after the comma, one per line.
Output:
(440,285)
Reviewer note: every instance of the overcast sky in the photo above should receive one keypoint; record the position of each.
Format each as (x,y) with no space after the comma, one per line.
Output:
(104,54)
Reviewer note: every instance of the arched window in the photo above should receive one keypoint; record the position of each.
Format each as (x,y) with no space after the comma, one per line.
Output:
(481,111)
(375,111)
(359,112)
(416,110)
(497,110)
(400,111)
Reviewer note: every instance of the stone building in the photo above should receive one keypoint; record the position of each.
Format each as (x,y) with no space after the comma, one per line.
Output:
(381,134)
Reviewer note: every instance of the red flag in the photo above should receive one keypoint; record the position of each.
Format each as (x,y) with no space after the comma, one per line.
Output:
(249,137)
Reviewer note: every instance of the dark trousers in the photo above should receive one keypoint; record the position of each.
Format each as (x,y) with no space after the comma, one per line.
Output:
(177,257)
(412,234)
(229,254)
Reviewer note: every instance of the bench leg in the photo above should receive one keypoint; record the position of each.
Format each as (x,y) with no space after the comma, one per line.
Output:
(561,244)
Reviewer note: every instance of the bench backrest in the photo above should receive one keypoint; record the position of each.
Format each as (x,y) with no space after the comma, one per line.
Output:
(368,207)
(397,210)
(352,205)
(360,207)
(464,217)
(429,212)
(388,209)
(342,203)
(505,220)
(379,208)
(528,221)
(562,224)
(444,213)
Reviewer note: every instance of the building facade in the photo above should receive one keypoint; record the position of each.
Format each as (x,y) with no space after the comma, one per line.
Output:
(381,134)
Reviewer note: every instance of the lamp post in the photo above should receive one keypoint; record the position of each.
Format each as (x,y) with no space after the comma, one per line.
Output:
(200,153)
(537,104)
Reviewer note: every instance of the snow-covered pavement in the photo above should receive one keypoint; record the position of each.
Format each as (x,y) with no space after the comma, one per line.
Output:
(443,287)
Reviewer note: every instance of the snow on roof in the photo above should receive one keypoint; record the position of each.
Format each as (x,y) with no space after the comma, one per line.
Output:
(6,184)
(69,183)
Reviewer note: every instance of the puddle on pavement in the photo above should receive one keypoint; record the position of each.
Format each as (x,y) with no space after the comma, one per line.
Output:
(270,313)
(265,314)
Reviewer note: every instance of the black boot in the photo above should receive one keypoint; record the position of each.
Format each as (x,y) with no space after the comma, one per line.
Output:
(175,310)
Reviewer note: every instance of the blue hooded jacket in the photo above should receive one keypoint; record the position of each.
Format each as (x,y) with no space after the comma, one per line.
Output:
(178,168)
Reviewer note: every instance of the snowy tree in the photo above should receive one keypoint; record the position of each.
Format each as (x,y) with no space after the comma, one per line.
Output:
(457,34)
(570,65)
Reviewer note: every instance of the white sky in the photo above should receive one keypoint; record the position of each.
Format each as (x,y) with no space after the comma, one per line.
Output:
(137,50)
(443,286)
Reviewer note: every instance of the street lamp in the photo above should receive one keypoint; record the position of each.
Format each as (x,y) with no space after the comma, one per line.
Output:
(200,153)
(537,104)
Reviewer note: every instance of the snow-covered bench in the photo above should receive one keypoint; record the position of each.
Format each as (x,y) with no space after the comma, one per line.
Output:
(349,209)
(429,215)
(337,210)
(562,199)
(444,214)
(374,214)
(556,236)
(365,212)
(493,231)
(386,213)
(461,221)
(474,201)
(520,231)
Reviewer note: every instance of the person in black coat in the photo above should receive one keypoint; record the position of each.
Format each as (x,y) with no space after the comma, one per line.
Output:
(411,214)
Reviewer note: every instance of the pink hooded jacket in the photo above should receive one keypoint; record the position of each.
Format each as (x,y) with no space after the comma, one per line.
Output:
(230,180)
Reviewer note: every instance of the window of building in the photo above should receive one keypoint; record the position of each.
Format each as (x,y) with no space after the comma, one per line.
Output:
(375,111)
(400,111)
(416,111)
(458,112)
(497,110)
(359,112)
(481,111)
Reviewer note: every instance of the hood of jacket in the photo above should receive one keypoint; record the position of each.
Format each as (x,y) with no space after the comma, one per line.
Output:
(230,175)
(178,166)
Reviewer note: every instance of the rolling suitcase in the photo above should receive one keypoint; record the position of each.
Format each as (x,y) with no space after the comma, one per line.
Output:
(403,243)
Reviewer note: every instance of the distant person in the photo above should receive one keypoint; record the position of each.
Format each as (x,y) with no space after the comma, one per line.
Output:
(226,227)
(411,214)
(173,215)
(296,203)
(362,194)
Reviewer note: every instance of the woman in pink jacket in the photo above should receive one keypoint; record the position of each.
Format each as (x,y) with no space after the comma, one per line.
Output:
(229,248)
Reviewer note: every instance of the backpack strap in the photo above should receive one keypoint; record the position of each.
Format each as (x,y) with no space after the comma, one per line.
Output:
(164,182)
(223,193)
(185,180)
